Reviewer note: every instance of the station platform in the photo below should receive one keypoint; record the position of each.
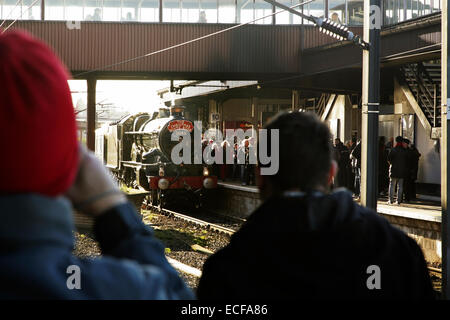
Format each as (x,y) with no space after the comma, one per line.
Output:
(421,209)
(420,219)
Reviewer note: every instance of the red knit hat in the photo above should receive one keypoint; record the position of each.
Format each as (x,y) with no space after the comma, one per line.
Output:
(38,140)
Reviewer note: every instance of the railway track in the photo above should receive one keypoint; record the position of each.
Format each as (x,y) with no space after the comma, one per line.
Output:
(201,223)
(218,228)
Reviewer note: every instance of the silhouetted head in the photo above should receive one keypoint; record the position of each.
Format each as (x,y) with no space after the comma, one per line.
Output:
(305,160)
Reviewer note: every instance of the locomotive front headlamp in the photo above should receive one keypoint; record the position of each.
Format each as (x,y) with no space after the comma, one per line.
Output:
(161,171)
(163,184)
(205,171)
(208,183)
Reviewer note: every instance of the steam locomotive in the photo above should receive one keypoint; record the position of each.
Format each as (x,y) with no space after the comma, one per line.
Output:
(137,149)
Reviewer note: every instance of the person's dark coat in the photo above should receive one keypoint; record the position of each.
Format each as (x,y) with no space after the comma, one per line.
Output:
(414,156)
(343,161)
(315,246)
(356,154)
(37,261)
(399,166)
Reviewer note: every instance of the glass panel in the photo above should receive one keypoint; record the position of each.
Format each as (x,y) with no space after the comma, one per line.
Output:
(227,11)
(54,10)
(262,9)
(93,10)
(295,18)
(74,10)
(244,11)
(284,17)
(13,9)
(355,12)
(315,9)
(208,11)
(411,9)
(171,11)
(149,11)
(31,11)
(336,11)
(190,12)
(436,5)
(388,12)
(111,10)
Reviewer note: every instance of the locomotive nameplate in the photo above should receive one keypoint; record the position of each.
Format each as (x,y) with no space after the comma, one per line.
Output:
(180,125)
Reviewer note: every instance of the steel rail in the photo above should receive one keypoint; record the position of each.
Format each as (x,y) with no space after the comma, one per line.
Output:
(189,219)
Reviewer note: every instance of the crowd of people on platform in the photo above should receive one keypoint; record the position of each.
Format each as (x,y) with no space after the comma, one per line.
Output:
(303,242)
(232,169)
(398,165)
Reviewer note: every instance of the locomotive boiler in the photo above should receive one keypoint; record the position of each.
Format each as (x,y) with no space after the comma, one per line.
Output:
(138,149)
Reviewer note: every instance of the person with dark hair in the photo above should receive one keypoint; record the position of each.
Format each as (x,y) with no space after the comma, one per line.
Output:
(398,170)
(36,197)
(304,242)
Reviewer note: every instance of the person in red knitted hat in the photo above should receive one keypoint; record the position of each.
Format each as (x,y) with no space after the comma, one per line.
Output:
(43,173)
(37,115)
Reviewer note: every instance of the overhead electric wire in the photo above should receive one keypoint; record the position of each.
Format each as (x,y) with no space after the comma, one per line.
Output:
(26,10)
(188,42)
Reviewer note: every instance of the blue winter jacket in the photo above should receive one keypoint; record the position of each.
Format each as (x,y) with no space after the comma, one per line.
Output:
(36,260)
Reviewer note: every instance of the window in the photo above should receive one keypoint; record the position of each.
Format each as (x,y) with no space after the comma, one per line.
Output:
(262,9)
(316,9)
(244,11)
(208,11)
(190,11)
(93,10)
(73,11)
(227,11)
(149,11)
(171,11)
(355,12)
(54,9)
(11,10)
(337,11)
(284,17)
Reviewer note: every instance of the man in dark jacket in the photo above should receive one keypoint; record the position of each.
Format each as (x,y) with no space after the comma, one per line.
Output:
(304,243)
(342,157)
(413,156)
(36,197)
(398,170)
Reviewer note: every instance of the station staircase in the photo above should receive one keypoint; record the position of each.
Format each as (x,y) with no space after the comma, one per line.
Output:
(323,105)
(421,84)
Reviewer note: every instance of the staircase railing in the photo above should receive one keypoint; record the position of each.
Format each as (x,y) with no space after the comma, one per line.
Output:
(417,78)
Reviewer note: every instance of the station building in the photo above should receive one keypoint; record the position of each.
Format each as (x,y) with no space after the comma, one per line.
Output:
(242,77)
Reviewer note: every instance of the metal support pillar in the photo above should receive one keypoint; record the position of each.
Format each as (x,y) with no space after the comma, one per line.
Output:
(91,112)
(445,74)
(43,10)
(370,106)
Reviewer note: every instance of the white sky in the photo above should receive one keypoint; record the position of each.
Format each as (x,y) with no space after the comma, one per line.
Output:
(131,95)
